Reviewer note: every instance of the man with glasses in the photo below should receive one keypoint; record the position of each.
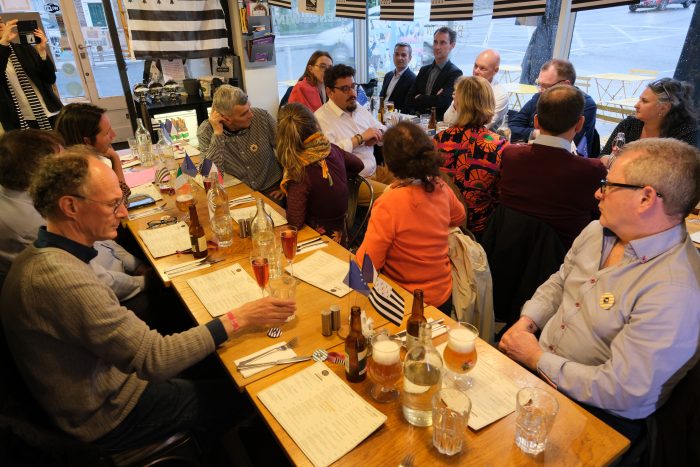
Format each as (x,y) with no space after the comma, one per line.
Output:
(398,82)
(553,72)
(100,373)
(620,320)
(351,127)
(240,140)
(544,180)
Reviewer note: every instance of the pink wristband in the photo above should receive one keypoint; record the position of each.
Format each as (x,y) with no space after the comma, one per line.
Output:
(234,321)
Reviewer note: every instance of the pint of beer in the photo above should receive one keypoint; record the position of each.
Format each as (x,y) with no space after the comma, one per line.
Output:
(385,367)
(184,201)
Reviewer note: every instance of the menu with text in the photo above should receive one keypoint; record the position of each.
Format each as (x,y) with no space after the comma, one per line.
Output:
(324,271)
(221,291)
(167,240)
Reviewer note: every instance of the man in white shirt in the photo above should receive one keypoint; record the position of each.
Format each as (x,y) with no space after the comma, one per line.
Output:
(398,82)
(486,65)
(351,127)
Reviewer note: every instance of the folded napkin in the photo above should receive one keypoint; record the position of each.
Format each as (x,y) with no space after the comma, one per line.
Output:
(274,356)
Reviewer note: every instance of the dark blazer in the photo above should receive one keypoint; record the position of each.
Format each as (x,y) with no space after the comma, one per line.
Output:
(398,96)
(418,101)
(41,72)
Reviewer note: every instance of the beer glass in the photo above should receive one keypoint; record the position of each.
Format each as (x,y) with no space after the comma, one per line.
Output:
(384,366)
(460,353)
(185,196)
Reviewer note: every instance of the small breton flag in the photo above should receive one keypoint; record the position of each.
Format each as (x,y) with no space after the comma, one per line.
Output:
(515,8)
(281,3)
(162,175)
(355,9)
(451,10)
(396,10)
(387,301)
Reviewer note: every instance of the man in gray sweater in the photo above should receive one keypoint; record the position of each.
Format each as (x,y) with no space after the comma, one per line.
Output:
(99,372)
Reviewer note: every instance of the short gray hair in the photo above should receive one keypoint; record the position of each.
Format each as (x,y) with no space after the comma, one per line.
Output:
(669,165)
(227,97)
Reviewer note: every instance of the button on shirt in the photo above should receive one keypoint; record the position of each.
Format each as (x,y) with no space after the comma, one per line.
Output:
(620,356)
(340,126)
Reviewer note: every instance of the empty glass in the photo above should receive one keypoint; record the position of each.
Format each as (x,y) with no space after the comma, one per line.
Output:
(222,226)
(451,409)
(535,412)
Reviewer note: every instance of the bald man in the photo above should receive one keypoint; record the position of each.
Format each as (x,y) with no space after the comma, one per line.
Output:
(486,65)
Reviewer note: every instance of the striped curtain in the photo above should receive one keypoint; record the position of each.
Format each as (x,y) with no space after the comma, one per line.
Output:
(176,29)
(513,8)
(354,9)
(580,5)
(451,10)
(281,3)
(396,10)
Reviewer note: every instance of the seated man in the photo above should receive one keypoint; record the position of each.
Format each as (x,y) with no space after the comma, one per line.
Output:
(435,82)
(555,72)
(398,81)
(351,127)
(545,180)
(97,370)
(240,140)
(620,320)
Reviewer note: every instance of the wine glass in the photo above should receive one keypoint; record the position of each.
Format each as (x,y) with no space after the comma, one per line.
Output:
(260,263)
(460,353)
(384,366)
(288,238)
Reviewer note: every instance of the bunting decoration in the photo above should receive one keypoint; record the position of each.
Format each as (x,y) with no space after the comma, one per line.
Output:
(581,5)
(396,10)
(514,8)
(281,3)
(353,9)
(451,10)
(168,29)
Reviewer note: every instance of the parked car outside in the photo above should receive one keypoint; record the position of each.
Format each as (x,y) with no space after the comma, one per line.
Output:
(659,4)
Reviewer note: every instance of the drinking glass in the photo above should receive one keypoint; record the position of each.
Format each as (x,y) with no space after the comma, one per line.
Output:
(389,106)
(288,238)
(133,147)
(222,226)
(424,121)
(460,354)
(185,196)
(535,412)
(451,408)
(284,287)
(260,263)
(384,366)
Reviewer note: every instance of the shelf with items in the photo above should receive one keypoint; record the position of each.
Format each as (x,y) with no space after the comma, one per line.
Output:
(258,38)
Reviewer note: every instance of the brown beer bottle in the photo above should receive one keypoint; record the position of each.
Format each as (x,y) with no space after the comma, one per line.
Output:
(380,112)
(432,123)
(197,238)
(355,349)
(416,318)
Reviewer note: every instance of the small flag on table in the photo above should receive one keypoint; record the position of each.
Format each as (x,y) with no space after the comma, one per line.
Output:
(188,167)
(387,301)
(355,281)
(166,131)
(162,174)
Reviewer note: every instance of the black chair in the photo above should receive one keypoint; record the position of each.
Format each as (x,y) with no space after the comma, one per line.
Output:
(355,231)
(523,252)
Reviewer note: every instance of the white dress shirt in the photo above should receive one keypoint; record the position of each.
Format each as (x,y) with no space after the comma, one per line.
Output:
(340,126)
(500,96)
(392,84)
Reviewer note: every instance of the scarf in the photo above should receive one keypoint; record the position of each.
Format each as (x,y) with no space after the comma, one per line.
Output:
(316,149)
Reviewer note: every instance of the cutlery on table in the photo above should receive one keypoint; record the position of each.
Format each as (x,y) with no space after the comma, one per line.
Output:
(192,265)
(289,345)
(316,242)
(319,355)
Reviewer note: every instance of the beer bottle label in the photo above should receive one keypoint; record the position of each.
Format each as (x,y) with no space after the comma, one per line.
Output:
(202,243)
(347,363)
(362,362)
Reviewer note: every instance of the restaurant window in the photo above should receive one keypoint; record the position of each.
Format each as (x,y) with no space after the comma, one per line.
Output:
(298,35)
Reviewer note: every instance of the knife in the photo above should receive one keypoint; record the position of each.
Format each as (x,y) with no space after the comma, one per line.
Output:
(282,361)
(432,325)
(306,242)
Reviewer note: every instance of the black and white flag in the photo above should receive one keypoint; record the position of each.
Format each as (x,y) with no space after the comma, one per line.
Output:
(355,9)
(396,10)
(514,8)
(281,3)
(387,301)
(451,10)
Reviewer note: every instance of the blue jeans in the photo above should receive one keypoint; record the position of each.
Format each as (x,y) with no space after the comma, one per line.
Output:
(206,407)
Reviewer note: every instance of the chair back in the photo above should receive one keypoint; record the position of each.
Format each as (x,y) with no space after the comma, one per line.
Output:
(583,83)
(369,87)
(285,98)
(354,184)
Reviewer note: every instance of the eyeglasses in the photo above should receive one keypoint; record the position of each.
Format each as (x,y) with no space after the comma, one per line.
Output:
(169,220)
(660,83)
(347,89)
(542,86)
(112,204)
(323,66)
(604,184)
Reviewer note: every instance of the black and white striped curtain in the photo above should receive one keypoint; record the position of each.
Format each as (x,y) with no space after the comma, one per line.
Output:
(514,8)
(281,3)
(354,9)
(396,10)
(451,10)
(580,5)
(168,29)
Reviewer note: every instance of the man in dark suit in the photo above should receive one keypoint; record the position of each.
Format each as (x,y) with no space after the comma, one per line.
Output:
(435,82)
(398,82)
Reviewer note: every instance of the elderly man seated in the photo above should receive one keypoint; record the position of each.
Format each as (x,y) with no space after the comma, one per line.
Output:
(240,140)
(97,370)
(620,320)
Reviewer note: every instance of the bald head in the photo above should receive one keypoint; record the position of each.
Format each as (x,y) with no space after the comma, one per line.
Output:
(486,64)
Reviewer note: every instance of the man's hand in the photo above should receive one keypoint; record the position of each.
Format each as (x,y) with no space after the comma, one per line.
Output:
(521,346)
(8,31)
(42,44)
(276,195)
(372,136)
(264,311)
(217,122)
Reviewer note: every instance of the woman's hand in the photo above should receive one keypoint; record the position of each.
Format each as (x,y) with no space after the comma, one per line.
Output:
(8,31)
(42,44)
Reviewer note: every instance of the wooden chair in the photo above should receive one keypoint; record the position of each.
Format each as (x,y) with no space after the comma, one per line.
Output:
(642,71)
(354,231)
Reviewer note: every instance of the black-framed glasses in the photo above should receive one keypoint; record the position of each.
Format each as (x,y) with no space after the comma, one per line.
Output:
(346,89)
(604,184)
(539,84)
(659,83)
(169,220)
(111,204)
(323,66)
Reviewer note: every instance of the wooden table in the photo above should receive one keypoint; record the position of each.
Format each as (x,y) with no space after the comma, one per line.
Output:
(614,86)
(577,438)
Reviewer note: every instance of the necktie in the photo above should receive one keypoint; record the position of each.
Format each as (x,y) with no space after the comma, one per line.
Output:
(31,96)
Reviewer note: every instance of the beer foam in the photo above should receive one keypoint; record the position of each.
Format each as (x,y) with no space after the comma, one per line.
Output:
(183,198)
(461,340)
(386,352)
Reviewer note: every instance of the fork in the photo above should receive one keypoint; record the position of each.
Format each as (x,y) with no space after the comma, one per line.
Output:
(407,460)
(289,345)
(192,265)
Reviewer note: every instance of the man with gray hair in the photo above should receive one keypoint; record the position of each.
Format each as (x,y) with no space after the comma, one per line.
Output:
(620,320)
(240,140)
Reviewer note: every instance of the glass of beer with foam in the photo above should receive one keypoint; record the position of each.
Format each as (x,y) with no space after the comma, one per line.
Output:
(460,353)
(385,367)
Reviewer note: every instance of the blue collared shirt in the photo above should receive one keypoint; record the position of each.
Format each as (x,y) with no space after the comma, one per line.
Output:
(47,239)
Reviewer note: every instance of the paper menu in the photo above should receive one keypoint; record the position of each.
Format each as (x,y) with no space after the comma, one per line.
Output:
(148,189)
(324,271)
(167,240)
(249,212)
(695,237)
(492,394)
(321,413)
(225,289)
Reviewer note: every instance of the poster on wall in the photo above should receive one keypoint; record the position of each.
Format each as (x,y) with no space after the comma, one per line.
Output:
(314,7)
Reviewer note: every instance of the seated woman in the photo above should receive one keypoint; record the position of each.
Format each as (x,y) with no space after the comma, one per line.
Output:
(309,90)
(315,173)
(407,232)
(470,152)
(664,110)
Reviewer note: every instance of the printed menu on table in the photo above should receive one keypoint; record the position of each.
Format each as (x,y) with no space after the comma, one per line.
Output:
(249,212)
(324,271)
(225,289)
(165,241)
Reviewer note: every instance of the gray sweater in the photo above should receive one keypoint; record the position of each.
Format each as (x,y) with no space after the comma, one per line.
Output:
(85,358)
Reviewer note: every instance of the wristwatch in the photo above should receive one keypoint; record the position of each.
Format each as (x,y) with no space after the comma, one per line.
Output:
(360,139)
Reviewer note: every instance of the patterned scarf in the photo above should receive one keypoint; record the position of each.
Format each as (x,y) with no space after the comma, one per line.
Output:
(316,149)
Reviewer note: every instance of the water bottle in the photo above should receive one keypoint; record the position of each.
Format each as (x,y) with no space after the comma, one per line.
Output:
(422,378)
(219,215)
(144,142)
(262,228)
(618,142)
